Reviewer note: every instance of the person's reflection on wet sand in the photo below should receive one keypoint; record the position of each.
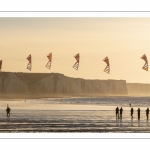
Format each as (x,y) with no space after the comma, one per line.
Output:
(147,123)
(138,122)
(131,122)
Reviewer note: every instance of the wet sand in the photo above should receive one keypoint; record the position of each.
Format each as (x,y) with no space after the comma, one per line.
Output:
(73,115)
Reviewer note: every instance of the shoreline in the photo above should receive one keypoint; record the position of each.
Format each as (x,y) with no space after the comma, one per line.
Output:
(20,96)
(39,96)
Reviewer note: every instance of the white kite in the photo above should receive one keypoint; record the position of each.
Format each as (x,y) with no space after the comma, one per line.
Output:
(29,66)
(107,69)
(48,65)
(76,65)
(145,67)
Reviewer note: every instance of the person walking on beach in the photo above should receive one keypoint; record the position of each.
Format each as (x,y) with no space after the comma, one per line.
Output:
(8,111)
(121,110)
(138,113)
(132,110)
(117,112)
(130,105)
(147,113)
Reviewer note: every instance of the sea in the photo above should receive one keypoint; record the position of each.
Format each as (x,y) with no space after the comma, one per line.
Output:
(74,115)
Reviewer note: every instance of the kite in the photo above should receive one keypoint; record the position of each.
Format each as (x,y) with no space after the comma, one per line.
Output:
(48,65)
(145,67)
(0,65)
(107,69)
(76,65)
(29,66)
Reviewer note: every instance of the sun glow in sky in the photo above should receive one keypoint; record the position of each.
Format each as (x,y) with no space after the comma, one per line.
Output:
(123,40)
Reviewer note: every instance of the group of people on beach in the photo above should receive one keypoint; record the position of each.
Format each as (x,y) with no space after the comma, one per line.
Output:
(117,112)
(132,110)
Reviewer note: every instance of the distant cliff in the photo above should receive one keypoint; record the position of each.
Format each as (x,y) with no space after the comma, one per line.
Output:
(54,83)
(138,89)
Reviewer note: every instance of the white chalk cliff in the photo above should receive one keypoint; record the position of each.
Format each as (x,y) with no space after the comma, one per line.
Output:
(54,83)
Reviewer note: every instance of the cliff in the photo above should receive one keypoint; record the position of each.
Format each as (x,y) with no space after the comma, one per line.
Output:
(54,84)
(138,89)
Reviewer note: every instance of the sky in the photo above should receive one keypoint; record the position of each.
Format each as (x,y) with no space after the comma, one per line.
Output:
(123,40)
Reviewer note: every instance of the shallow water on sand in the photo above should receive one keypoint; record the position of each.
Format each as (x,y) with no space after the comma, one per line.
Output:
(74,115)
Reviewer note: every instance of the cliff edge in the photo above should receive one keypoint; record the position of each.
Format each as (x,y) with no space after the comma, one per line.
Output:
(54,84)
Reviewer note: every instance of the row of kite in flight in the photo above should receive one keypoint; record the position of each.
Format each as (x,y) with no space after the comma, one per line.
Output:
(76,65)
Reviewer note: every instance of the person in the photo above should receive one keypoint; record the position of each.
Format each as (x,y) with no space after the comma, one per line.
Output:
(132,110)
(117,112)
(147,113)
(130,104)
(121,110)
(138,113)
(8,111)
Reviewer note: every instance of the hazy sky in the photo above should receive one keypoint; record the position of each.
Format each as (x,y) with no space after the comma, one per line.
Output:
(123,40)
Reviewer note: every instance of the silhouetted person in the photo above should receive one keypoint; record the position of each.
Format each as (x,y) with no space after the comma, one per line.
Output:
(147,113)
(132,110)
(8,110)
(117,112)
(138,111)
(130,104)
(121,110)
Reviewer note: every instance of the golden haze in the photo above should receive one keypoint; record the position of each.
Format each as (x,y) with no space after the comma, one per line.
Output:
(123,40)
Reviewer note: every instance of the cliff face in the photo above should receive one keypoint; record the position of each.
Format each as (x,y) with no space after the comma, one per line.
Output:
(138,89)
(53,83)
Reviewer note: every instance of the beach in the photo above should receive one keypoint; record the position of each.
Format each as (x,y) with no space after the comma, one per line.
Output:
(76,114)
